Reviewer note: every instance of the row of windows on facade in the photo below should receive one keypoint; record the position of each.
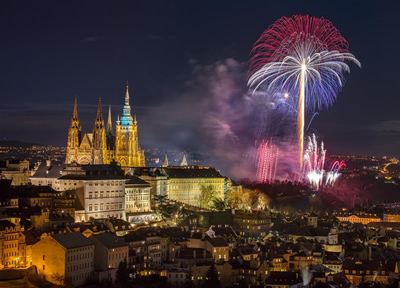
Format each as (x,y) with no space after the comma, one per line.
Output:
(116,215)
(255,221)
(83,256)
(368,272)
(108,206)
(12,254)
(197,187)
(137,198)
(12,245)
(108,195)
(121,256)
(112,183)
(79,267)
(139,205)
(12,237)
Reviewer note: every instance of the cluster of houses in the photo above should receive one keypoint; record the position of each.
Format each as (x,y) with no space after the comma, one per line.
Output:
(76,224)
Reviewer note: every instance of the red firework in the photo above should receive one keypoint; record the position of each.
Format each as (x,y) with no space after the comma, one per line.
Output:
(267,162)
(273,43)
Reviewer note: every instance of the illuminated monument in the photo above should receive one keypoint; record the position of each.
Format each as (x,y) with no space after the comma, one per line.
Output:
(102,146)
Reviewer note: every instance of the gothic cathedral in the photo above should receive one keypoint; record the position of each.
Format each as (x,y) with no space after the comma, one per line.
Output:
(102,146)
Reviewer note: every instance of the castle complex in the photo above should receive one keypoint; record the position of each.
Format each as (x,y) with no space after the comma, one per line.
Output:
(102,146)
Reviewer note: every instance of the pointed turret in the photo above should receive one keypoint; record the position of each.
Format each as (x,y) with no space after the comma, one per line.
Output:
(75,119)
(99,130)
(127,94)
(109,122)
(126,118)
(74,135)
(134,120)
(99,116)
(165,163)
(184,161)
(75,114)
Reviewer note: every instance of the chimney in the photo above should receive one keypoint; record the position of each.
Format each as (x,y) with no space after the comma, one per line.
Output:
(48,163)
(194,254)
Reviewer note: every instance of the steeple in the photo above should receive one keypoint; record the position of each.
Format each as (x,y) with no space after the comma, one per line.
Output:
(127,94)
(99,116)
(126,118)
(98,130)
(184,161)
(75,115)
(74,135)
(165,163)
(109,123)
(75,119)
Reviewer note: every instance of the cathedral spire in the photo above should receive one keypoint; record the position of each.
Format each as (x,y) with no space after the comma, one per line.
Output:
(127,94)
(99,133)
(184,161)
(75,115)
(99,116)
(126,118)
(165,163)
(109,123)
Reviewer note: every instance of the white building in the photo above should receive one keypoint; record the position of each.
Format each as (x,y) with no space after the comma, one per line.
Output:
(99,188)
(137,200)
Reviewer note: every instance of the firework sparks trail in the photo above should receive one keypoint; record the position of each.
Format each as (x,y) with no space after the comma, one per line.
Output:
(303,57)
(314,160)
(267,162)
(334,173)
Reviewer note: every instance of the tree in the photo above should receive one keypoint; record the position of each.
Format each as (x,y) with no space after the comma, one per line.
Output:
(218,204)
(207,194)
(250,199)
(263,200)
(122,276)
(189,283)
(234,199)
(212,278)
(58,278)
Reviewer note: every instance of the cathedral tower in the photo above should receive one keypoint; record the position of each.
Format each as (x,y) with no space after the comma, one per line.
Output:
(99,138)
(101,146)
(127,150)
(74,136)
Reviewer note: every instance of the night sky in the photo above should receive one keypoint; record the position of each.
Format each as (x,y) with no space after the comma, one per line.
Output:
(173,53)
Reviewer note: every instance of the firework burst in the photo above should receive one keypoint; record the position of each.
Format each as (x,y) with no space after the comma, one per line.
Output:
(300,62)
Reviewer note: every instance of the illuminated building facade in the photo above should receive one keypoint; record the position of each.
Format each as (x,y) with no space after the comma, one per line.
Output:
(74,263)
(12,245)
(363,218)
(99,188)
(183,183)
(102,146)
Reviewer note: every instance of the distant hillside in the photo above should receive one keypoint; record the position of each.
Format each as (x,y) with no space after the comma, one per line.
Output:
(13,143)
